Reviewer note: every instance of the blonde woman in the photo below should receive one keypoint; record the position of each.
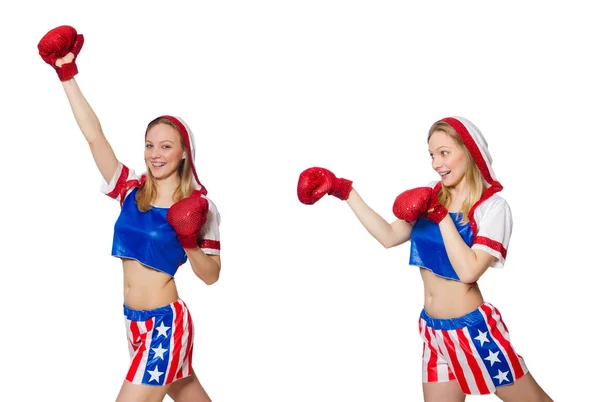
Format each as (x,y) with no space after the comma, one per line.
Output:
(165,220)
(458,227)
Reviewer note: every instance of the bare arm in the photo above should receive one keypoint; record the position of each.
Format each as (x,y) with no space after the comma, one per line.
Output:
(206,267)
(389,235)
(90,127)
(469,264)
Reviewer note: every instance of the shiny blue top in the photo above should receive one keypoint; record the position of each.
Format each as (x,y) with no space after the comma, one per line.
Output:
(427,248)
(147,237)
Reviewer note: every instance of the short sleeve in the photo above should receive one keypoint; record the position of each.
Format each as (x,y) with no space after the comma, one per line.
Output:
(209,238)
(494,227)
(123,181)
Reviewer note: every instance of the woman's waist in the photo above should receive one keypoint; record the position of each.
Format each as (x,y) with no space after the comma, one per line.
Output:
(145,288)
(442,307)
(446,298)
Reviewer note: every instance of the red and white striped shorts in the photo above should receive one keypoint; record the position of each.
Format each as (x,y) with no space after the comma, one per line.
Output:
(474,350)
(161,343)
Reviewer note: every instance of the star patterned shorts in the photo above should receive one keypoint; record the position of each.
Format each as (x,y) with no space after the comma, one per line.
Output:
(474,350)
(160,344)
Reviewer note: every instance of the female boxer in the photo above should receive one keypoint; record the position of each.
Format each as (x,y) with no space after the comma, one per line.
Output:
(165,220)
(458,227)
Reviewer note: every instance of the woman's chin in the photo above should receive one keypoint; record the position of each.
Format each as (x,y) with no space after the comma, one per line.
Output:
(160,173)
(448,183)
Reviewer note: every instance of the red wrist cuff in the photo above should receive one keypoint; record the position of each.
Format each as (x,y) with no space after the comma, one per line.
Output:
(438,214)
(343,188)
(67,71)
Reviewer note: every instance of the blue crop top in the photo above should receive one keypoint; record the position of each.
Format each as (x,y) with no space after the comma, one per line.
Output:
(147,237)
(427,248)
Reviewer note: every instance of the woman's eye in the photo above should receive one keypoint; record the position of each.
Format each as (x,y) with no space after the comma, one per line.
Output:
(148,146)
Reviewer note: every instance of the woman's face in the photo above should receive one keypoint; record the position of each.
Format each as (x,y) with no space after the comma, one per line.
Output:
(164,152)
(447,158)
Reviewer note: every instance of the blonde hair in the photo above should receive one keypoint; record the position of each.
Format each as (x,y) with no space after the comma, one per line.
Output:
(473,176)
(148,192)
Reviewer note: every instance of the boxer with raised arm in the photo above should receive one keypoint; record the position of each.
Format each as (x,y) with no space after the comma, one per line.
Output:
(165,220)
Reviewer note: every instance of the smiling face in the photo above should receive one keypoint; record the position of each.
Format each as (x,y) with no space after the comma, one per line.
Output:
(448,159)
(164,151)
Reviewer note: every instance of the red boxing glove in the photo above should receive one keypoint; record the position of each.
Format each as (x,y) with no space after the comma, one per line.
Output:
(56,44)
(412,204)
(315,182)
(187,218)
(418,202)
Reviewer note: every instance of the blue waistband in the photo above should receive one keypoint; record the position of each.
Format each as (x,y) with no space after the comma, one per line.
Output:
(466,320)
(143,315)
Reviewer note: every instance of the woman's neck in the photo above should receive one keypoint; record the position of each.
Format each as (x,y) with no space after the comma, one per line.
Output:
(458,194)
(460,191)
(166,187)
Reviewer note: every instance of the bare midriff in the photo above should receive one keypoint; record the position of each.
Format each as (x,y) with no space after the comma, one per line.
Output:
(145,288)
(445,298)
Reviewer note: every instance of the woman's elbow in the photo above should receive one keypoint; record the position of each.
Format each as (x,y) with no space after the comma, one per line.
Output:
(210,279)
(391,241)
(470,276)
(468,279)
(387,244)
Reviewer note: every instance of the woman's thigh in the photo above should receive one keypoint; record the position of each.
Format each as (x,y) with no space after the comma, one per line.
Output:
(525,389)
(188,389)
(141,393)
(448,391)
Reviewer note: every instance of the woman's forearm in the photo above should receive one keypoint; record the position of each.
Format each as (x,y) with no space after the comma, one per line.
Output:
(206,267)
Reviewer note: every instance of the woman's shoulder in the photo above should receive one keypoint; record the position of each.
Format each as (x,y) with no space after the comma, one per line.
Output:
(212,207)
(210,202)
(493,203)
(496,199)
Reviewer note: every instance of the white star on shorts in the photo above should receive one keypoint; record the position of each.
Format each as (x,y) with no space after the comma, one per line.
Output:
(159,351)
(482,337)
(501,376)
(493,358)
(162,330)
(155,374)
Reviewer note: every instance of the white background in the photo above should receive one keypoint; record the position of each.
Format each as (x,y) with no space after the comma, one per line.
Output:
(309,307)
